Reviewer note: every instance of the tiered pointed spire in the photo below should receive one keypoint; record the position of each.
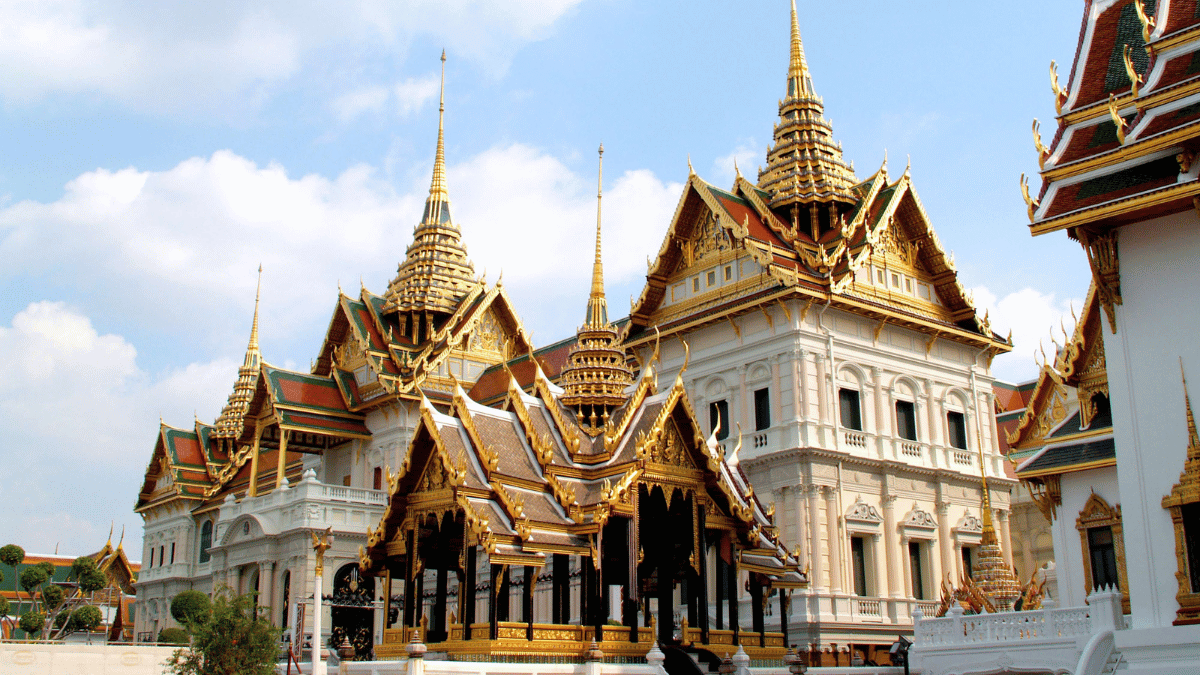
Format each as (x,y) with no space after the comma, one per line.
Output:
(596,374)
(229,424)
(991,573)
(805,165)
(436,272)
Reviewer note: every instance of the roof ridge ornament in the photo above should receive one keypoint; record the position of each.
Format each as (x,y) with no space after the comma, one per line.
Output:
(1060,94)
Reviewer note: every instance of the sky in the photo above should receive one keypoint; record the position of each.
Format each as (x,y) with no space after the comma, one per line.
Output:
(152,155)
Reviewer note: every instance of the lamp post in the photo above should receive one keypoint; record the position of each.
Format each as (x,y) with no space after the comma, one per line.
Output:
(320,545)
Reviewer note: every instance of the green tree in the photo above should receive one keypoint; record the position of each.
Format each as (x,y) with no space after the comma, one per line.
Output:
(52,597)
(12,555)
(32,623)
(174,636)
(191,608)
(32,578)
(86,618)
(235,640)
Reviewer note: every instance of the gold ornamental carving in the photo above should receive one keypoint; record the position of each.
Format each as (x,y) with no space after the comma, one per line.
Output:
(1186,495)
(320,545)
(1104,261)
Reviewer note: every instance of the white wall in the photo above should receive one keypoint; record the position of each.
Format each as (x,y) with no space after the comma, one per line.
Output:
(1156,326)
(75,659)
(1077,488)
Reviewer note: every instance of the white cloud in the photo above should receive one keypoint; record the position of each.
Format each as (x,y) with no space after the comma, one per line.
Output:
(1032,316)
(352,105)
(746,157)
(176,56)
(78,416)
(412,94)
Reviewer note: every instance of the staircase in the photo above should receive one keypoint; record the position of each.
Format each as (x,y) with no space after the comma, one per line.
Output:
(689,661)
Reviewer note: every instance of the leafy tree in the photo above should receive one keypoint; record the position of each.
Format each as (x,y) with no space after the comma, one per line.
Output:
(32,623)
(191,608)
(86,618)
(12,555)
(92,580)
(52,597)
(32,578)
(4,609)
(82,564)
(174,636)
(48,568)
(235,640)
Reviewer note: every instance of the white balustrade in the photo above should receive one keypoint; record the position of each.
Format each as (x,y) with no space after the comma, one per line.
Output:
(856,439)
(910,449)
(1069,623)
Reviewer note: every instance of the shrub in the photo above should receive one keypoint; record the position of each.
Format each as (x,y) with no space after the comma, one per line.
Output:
(92,580)
(236,639)
(4,609)
(174,636)
(191,608)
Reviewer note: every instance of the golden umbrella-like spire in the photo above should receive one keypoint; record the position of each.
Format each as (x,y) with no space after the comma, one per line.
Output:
(596,375)
(436,272)
(799,80)
(229,423)
(991,573)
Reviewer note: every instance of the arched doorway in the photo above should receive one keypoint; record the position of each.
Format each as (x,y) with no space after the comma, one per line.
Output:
(352,610)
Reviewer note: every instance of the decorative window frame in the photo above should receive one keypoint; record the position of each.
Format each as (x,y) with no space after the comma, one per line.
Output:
(863,518)
(1098,513)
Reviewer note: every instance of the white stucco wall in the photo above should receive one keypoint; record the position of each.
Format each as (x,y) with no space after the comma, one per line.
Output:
(1156,326)
(1077,488)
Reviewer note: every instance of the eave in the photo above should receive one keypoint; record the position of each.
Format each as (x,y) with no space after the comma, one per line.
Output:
(1154,203)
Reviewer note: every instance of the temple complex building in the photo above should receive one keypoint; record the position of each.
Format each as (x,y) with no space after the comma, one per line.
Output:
(1108,444)
(831,340)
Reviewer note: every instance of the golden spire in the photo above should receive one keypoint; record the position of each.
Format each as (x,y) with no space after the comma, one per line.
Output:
(596,374)
(991,573)
(805,165)
(436,272)
(437,187)
(229,423)
(597,310)
(799,80)
(1193,438)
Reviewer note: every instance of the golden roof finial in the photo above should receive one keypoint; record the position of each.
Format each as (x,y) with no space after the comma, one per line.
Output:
(691,171)
(111,525)
(597,310)
(253,346)
(122,540)
(437,188)
(799,81)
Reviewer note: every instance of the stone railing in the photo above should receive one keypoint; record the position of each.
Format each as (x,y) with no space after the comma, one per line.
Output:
(168,571)
(856,439)
(308,504)
(910,449)
(1043,640)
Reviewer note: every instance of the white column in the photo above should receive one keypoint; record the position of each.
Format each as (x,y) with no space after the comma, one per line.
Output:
(1005,536)
(776,393)
(935,424)
(907,567)
(743,413)
(877,558)
(945,545)
(835,542)
(814,553)
(798,382)
(266,588)
(318,663)
(891,548)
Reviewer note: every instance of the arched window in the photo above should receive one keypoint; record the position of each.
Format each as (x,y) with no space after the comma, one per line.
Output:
(286,582)
(205,540)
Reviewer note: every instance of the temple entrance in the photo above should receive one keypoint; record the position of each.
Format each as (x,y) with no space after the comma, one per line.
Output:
(669,573)
(352,610)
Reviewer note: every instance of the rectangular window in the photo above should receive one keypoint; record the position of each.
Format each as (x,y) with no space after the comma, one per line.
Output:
(895,280)
(346,480)
(172,552)
(967,558)
(851,412)
(906,420)
(908,287)
(879,278)
(695,284)
(762,409)
(719,410)
(956,422)
(918,575)
(711,278)
(1104,557)
(151,558)
(377,480)
(728,272)
(858,556)
(161,555)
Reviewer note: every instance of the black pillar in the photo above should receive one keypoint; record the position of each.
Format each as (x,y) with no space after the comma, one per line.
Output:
(722,580)
(493,600)
(585,590)
(666,596)
(503,611)
(756,607)
(783,617)
(420,606)
(439,607)
(560,597)
(603,602)
(703,597)
(466,595)
(629,608)
(530,582)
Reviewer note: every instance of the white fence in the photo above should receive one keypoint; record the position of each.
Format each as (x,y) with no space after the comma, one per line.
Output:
(22,658)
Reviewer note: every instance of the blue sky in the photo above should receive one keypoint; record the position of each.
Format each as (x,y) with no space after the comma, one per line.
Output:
(153,155)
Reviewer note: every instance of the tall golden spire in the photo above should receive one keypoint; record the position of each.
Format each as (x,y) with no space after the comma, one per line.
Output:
(1193,438)
(597,310)
(805,165)
(799,80)
(991,573)
(437,187)
(229,423)
(436,272)
(596,375)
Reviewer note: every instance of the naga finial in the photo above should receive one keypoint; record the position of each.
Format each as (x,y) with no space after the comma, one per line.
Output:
(1060,94)
(1117,119)
(1146,21)
(1031,204)
(1042,150)
(1135,79)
